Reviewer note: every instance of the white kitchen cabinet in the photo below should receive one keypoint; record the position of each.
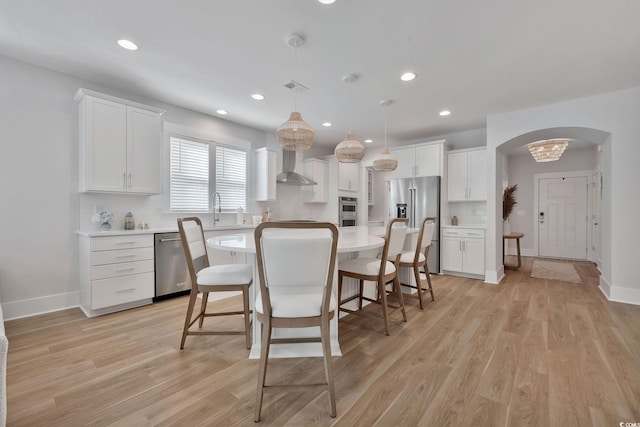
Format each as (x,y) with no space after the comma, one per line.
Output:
(348,176)
(467,175)
(317,170)
(463,251)
(266,172)
(120,145)
(419,160)
(116,273)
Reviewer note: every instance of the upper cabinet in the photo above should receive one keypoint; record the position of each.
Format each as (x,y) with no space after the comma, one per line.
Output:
(266,172)
(348,176)
(120,145)
(419,160)
(317,170)
(467,175)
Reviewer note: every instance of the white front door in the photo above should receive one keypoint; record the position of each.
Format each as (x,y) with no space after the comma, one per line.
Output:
(562,217)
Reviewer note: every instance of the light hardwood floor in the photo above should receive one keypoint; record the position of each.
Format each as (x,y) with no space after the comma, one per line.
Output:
(525,352)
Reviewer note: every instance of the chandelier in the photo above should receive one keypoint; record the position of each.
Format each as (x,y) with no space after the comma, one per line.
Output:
(385,162)
(295,134)
(547,150)
(350,150)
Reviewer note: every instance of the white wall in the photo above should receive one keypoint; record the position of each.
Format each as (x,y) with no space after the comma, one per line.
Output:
(611,120)
(521,170)
(39,185)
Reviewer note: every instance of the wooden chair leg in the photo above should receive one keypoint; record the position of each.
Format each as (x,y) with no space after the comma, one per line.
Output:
(382,292)
(325,335)
(361,292)
(396,285)
(203,307)
(416,274)
(187,320)
(428,276)
(247,315)
(262,369)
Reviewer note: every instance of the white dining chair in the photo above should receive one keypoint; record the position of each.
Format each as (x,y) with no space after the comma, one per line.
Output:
(296,264)
(215,278)
(379,270)
(417,259)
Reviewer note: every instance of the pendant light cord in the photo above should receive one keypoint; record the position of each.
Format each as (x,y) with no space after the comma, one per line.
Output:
(295,92)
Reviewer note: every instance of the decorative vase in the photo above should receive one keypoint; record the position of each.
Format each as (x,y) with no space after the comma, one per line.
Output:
(105,226)
(506,227)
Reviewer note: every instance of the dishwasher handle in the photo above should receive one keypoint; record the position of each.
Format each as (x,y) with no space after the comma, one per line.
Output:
(175,239)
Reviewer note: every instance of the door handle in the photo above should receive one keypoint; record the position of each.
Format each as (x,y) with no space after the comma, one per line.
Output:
(175,239)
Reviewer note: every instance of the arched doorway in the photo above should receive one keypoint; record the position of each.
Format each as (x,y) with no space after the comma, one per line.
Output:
(533,218)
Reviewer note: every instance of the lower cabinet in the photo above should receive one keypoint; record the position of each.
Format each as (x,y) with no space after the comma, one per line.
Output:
(116,273)
(463,251)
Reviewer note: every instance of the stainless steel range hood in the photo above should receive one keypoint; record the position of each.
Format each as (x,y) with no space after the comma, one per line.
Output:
(289,175)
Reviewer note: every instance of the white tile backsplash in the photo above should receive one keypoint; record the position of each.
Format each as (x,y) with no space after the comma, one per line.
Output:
(468,213)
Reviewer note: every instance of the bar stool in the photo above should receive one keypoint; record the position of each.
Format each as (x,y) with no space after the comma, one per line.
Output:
(418,259)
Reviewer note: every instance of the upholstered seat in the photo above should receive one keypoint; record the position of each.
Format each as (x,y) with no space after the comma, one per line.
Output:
(407,257)
(366,266)
(215,278)
(230,274)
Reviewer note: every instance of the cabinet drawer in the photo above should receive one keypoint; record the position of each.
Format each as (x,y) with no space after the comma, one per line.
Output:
(121,290)
(470,233)
(122,255)
(121,242)
(121,269)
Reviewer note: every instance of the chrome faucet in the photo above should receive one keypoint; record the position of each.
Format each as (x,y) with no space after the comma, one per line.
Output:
(213,205)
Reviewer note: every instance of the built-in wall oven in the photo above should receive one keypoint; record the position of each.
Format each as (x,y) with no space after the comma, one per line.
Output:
(347,215)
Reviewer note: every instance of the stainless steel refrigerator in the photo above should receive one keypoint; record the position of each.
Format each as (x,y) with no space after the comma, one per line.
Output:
(417,198)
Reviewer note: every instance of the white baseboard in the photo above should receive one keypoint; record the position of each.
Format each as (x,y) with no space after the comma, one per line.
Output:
(494,277)
(619,294)
(34,306)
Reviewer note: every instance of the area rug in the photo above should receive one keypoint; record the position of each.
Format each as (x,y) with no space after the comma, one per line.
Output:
(562,271)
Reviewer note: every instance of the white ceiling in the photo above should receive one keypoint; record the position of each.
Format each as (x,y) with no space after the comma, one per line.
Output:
(475,58)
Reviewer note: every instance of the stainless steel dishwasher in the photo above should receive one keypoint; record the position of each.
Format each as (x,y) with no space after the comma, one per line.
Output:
(172,274)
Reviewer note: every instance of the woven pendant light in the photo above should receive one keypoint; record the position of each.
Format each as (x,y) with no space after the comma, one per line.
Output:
(350,150)
(385,162)
(295,134)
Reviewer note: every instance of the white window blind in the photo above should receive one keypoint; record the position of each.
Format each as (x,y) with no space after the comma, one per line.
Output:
(231,178)
(189,171)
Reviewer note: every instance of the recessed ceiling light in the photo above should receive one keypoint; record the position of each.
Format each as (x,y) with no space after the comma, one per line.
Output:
(368,141)
(222,112)
(327,1)
(445,112)
(326,124)
(127,44)
(408,76)
(257,96)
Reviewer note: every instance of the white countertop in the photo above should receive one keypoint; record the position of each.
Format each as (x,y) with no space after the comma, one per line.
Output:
(350,239)
(98,233)
(478,226)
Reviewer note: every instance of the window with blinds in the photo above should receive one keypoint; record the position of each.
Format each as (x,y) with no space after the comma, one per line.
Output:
(231,178)
(193,181)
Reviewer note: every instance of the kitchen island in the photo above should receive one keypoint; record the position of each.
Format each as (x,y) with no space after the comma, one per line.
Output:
(351,240)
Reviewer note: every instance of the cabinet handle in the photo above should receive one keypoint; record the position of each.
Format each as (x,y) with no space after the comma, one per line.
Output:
(460,245)
(124,180)
(125,243)
(473,234)
(464,245)
(125,256)
(122,291)
(130,180)
(175,239)
(125,269)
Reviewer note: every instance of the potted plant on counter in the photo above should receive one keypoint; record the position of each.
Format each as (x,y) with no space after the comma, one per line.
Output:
(508,203)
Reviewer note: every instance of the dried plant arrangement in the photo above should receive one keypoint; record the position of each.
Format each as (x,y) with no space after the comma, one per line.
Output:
(508,201)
